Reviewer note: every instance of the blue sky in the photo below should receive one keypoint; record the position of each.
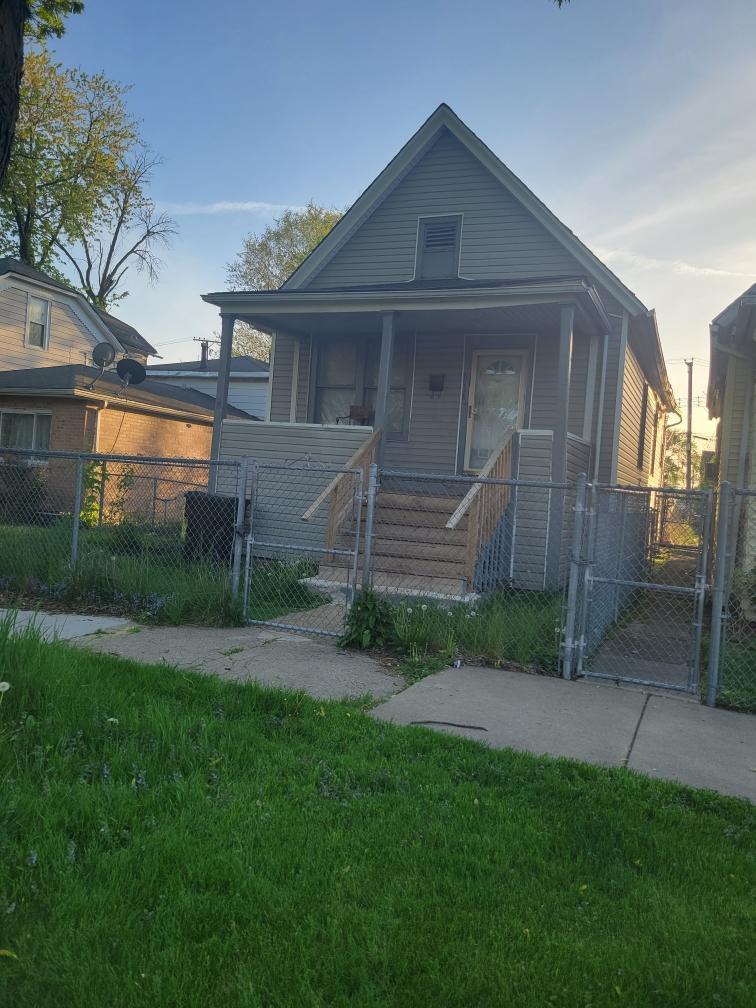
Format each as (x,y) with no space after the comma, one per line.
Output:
(631,119)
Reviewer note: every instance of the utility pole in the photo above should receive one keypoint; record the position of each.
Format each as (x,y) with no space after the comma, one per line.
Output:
(689,446)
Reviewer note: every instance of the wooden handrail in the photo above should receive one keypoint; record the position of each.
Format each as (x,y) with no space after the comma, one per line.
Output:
(472,493)
(354,462)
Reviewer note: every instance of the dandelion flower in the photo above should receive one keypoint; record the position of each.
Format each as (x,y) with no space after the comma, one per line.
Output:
(4,687)
(112,720)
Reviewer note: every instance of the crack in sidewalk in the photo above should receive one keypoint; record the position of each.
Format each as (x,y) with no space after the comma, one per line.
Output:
(629,753)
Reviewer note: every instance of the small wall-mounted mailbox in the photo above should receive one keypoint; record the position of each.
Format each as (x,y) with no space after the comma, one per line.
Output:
(436,384)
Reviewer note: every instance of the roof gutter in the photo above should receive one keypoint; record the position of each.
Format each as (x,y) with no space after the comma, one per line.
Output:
(109,399)
(282,302)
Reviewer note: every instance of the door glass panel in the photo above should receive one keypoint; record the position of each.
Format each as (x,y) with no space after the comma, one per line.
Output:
(496,403)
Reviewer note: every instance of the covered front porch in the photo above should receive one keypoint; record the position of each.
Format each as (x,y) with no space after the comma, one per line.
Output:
(501,383)
(443,375)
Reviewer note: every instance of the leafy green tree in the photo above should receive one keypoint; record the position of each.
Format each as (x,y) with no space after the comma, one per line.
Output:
(267,259)
(675,454)
(73,135)
(37,19)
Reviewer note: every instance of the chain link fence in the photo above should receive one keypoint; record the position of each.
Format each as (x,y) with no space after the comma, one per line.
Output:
(732,668)
(574,578)
(131,535)
(303,545)
(645,556)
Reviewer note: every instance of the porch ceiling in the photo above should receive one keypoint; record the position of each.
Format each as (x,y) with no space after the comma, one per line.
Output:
(525,309)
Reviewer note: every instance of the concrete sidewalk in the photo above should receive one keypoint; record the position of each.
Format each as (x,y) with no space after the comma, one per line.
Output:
(659,734)
(64,626)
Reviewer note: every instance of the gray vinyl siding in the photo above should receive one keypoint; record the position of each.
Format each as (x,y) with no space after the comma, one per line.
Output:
(578,457)
(284,487)
(69,342)
(578,384)
(739,374)
(531,505)
(500,238)
(631,418)
(281,378)
(611,393)
(432,442)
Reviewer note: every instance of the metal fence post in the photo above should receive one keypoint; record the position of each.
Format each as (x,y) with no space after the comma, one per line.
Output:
(574,582)
(239,528)
(103,480)
(719,592)
(251,479)
(367,556)
(586,576)
(78,486)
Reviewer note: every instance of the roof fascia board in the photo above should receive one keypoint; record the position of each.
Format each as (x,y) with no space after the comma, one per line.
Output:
(405,160)
(114,398)
(78,305)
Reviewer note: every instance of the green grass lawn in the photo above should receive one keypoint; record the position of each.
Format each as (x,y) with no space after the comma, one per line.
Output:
(138,571)
(173,840)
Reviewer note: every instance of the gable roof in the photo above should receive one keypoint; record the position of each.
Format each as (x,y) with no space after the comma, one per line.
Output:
(125,334)
(423,139)
(76,379)
(239,365)
(444,118)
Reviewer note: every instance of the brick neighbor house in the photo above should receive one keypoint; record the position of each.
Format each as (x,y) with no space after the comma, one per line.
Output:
(52,398)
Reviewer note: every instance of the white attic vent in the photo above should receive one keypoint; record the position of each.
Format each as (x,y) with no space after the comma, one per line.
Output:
(438,247)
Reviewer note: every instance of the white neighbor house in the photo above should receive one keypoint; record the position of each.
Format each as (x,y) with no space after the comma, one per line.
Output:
(248,382)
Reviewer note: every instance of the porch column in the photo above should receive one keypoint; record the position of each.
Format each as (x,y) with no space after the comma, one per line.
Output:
(221,393)
(564,364)
(384,378)
(559,449)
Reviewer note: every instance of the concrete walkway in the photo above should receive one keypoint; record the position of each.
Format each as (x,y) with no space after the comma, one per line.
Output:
(661,735)
(274,658)
(64,626)
(664,735)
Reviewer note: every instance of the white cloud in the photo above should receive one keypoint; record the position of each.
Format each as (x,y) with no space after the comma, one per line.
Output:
(227,206)
(677,266)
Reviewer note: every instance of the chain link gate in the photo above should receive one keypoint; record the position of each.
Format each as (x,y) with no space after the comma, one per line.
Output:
(303,547)
(640,570)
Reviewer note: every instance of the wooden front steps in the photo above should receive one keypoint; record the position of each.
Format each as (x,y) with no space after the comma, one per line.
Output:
(414,553)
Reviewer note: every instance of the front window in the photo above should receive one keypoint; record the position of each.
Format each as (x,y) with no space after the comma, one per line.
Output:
(38,317)
(347,377)
(25,430)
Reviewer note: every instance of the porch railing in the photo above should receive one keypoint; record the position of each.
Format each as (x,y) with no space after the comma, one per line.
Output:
(485,504)
(341,489)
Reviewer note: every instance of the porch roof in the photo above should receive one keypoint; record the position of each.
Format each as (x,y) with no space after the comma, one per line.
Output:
(473,304)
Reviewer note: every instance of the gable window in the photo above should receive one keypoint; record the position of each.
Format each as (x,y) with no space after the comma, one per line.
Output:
(347,376)
(24,430)
(37,322)
(643,425)
(438,247)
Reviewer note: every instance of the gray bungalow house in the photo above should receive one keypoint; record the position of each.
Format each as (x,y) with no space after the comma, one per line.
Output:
(451,324)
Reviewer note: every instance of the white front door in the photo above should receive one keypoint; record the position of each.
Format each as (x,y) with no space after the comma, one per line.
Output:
(496,402)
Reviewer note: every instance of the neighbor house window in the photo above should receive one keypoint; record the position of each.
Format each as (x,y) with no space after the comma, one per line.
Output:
(438,247)
(24,430)
(643,425)
(37,322)
(347,375)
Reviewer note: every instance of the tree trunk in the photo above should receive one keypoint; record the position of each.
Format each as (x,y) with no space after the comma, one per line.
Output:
(12,17)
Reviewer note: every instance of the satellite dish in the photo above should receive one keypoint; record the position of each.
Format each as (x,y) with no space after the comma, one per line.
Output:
(103,355)
(131,372)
